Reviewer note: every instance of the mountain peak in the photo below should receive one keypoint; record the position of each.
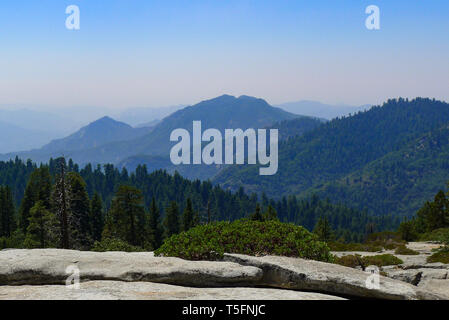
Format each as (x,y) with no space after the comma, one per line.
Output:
(105,119)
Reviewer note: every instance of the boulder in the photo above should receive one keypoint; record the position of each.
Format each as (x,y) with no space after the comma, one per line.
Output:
(118,290)
(49,266)
(307,275)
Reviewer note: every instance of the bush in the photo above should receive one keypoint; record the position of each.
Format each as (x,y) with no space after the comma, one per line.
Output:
(438,235)
(14,242)
(353,261)
(257,238)
(341,247)
(442,255)
(382,260)
(112,244)
(384,236)
(406,251)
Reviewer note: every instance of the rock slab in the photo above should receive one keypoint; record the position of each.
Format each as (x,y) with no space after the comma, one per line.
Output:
(119,290)
(307,275)
(49,266)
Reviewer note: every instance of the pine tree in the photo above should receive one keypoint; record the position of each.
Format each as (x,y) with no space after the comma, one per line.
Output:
(80,226)
(38,189)
(171,220)
(7,212)
(209,213)
(126,218)
(187,217)
(257,215)
(324,230)
(96,217)
(270,214)
(61,204)
(41,226)
(154,226)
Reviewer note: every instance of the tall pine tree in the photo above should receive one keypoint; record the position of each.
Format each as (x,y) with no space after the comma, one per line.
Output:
(188,216)
(7,212)
(97,216)
(154,226)
(126,218)
(171,220)
(79,219)
(41,228)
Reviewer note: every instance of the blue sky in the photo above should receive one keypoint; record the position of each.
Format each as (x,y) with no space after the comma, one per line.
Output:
(154,53)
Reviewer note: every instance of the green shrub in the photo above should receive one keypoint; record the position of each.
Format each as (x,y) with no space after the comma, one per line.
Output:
(382,260)
(341,247)
(442,255)
(384,236)
(353,261)
(350,261)
(257,238)
(438,235)
(406,251)
(14,242)
(112,244)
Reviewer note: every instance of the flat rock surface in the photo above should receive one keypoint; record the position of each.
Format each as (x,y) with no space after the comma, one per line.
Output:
(42,274)
(437,286)
(49,266)
(118,290)
(299,274)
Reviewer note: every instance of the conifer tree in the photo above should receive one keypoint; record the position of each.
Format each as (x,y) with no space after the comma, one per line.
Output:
(257,215)
(38,189)
(270,214)
(61,204)
(171,220)
(154,226)
(96,217)
(7,212)
(41,227)
(324,230)
(126,218)
(188,216)
(80,226)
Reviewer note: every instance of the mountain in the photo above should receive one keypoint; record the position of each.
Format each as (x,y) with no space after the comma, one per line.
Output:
(108,141)
(15,138)
(321,110)
(97,133)
(296,127)
(138,117)
(351,147)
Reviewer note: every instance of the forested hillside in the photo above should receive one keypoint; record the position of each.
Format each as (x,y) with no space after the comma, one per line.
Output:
(399,181)
(343,146)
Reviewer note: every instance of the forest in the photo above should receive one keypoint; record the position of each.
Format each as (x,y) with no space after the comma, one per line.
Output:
(60,205)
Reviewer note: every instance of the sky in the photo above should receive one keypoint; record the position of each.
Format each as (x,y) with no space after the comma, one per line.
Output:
(136,53)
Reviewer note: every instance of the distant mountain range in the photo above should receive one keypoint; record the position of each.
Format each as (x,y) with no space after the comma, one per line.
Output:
(321,110)
(110,141)
(96,134)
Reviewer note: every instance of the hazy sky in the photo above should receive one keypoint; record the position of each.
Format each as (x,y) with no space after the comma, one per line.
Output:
(156,53)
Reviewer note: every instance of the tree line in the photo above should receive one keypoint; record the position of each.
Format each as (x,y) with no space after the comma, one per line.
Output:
(64,206)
